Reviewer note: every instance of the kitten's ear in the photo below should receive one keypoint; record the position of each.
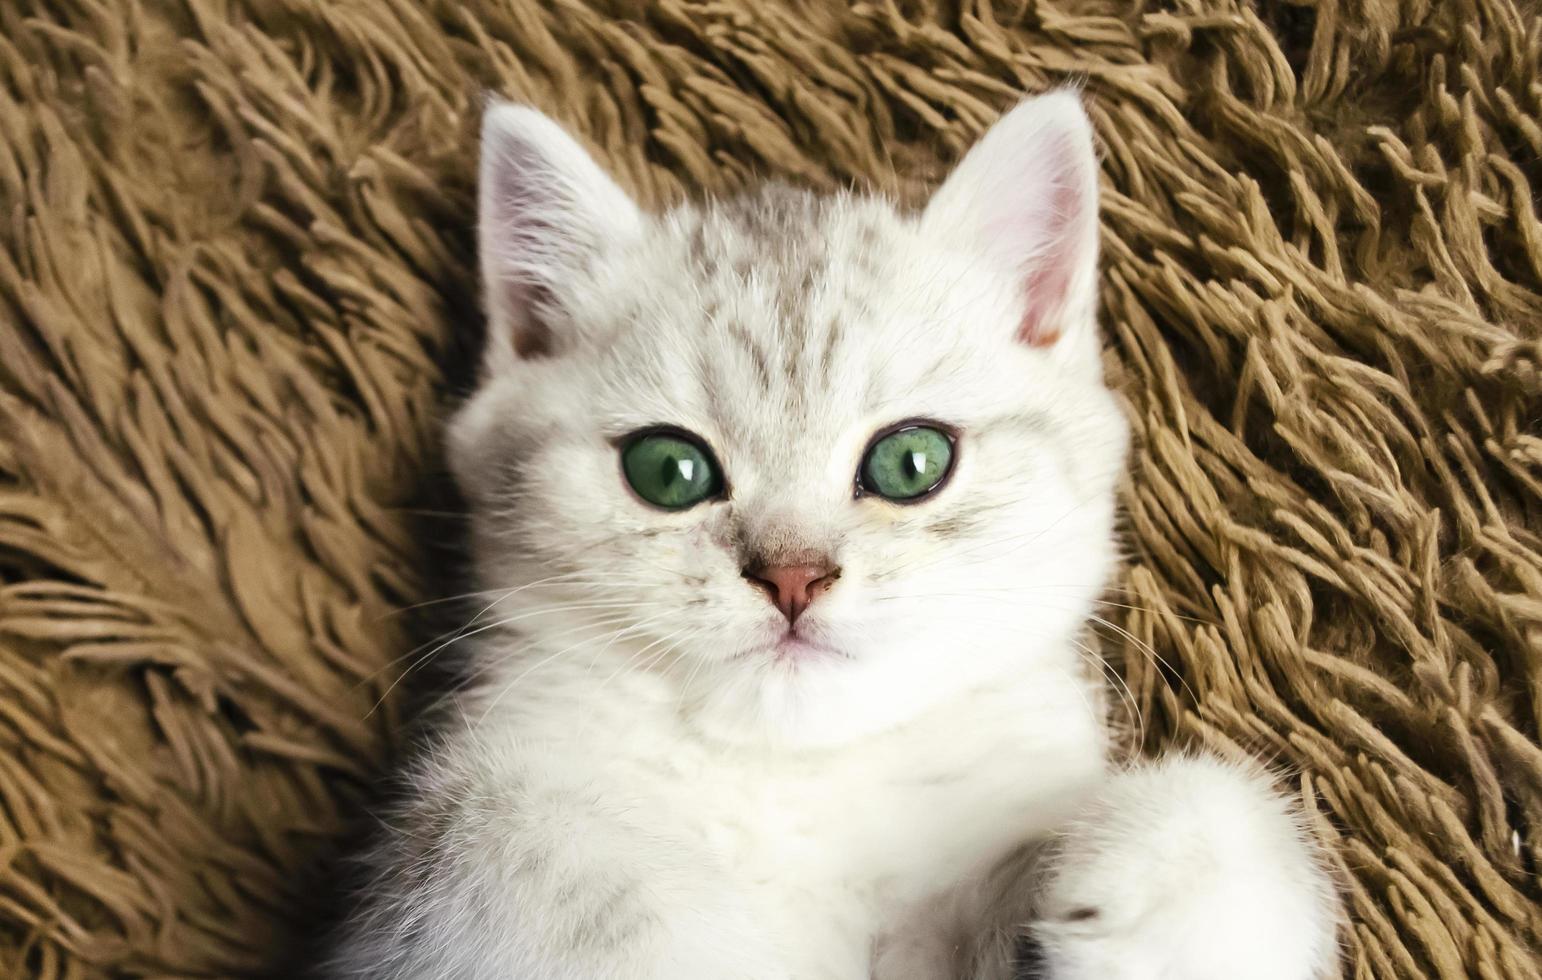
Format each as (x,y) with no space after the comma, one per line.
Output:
(544,207)
(1026,195)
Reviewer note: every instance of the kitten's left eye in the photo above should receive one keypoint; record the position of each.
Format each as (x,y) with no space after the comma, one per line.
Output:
(907,464)
(670,470)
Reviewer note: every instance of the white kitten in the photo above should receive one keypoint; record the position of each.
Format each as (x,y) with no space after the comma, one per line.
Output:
(794,509)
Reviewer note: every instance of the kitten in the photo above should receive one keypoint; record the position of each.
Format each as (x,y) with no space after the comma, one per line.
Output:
(792,510)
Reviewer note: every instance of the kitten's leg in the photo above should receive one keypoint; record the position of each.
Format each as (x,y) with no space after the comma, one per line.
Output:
(503,872)
(1189,868)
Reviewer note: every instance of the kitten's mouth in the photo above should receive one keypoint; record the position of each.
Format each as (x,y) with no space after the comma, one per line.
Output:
(792,647)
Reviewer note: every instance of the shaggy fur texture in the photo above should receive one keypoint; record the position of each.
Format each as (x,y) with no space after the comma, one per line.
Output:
(235,241)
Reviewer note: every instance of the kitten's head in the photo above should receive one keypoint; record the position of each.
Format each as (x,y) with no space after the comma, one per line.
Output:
(815,463)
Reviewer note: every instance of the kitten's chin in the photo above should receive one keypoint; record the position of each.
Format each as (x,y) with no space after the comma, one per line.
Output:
(778,702)
(803,697)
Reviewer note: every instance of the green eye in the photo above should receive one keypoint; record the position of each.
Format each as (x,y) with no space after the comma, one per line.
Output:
(670,471)
(908,463)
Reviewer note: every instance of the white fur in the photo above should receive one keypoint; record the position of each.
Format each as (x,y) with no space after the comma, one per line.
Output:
(635,788)
(1195,872)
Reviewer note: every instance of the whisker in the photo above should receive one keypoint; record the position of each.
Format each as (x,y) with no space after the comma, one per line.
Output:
(599,622)
(574,578)
(552,657)
(638,655)
(1147,649)
(1092,617)
(506,621)
(1126,695)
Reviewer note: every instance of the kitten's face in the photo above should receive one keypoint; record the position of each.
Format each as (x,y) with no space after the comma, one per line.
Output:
(775,341)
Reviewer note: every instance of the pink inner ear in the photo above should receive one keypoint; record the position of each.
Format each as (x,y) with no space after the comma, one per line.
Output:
(532,337)
(520,234)
(1048,283)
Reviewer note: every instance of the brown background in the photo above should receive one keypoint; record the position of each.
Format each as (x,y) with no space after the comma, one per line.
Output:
(235,247)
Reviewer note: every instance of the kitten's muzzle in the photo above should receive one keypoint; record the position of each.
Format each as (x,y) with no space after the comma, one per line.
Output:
(791,588)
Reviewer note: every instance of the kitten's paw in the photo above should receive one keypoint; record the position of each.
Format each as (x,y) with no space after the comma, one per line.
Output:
(1191,869)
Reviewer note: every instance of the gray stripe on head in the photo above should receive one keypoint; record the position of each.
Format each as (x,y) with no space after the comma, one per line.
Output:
(834,331)
(760,358)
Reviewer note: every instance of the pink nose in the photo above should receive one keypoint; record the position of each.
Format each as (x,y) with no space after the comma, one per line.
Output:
(793,587)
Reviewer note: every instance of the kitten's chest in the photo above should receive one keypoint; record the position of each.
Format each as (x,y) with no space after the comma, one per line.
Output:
(901,813)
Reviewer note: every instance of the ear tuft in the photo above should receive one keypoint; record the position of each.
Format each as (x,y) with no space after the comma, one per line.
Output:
(1026,196)
(544,207)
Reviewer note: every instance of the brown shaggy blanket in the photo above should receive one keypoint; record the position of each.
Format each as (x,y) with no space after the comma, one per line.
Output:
(235,269)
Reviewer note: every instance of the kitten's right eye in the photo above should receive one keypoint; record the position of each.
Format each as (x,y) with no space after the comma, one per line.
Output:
(907,463)
(670,470)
